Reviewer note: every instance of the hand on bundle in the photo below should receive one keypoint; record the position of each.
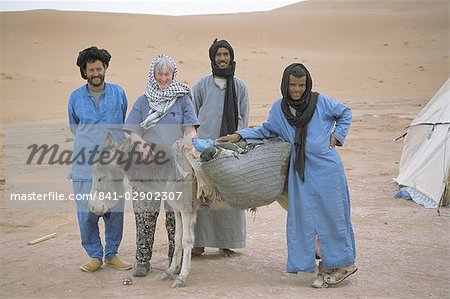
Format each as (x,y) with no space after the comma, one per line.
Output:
(230,138)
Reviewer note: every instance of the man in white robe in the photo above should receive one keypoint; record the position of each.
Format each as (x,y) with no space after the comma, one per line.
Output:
(221,102)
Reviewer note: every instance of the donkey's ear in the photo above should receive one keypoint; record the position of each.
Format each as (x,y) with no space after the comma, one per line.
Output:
(110,143)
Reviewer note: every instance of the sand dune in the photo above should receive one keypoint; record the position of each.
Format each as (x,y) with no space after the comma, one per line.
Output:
(387,49)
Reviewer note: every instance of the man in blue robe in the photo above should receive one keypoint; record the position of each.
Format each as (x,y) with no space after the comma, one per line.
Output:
(95,109)
(318,221)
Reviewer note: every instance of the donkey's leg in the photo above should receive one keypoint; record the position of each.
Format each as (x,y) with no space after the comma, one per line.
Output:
(170,228)
(188,219)
(176,261)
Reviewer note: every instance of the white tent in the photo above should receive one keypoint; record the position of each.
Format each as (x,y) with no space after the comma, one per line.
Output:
(425,161)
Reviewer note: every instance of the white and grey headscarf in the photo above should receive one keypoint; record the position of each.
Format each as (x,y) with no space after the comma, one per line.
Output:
(160,101)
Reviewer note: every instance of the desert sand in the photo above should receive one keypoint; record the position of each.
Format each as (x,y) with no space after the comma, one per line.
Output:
(385,59)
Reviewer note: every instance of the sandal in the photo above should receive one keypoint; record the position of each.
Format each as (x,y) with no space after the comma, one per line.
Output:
(319,282)
(339,274)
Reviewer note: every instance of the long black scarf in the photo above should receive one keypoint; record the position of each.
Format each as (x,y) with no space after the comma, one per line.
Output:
(230,107)
(304,110)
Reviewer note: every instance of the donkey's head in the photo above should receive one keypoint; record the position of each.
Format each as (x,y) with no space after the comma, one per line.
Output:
(108,178)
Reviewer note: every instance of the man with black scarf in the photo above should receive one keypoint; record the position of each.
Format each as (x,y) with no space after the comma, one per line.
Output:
(318,221)
(221,102)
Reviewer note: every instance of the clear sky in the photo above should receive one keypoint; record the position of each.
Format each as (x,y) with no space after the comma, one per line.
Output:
(160,7)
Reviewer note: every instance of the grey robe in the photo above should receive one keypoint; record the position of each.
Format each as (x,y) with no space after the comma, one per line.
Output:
(224,228)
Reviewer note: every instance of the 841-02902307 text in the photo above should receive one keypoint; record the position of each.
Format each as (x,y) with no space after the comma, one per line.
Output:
(137,195)
(97,195)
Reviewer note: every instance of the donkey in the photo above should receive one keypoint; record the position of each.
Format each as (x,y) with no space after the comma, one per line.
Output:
(112,178)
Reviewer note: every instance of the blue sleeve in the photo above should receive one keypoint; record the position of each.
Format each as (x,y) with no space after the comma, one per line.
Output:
(73,118)
(124,105)
(189,115)
(342,115)
(135,117)
(266,130)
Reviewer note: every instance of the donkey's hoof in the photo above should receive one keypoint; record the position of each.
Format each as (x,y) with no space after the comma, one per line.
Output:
(178,283)
(166,276)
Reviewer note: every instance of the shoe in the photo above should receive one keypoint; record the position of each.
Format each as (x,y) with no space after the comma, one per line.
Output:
(319,282)
(141,269)
(117,263)
(92,265)
(339,274)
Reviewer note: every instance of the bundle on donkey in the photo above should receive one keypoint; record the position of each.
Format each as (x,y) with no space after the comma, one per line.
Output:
(243,178)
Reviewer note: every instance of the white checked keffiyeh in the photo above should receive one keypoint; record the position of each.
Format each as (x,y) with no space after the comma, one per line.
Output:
(160,101)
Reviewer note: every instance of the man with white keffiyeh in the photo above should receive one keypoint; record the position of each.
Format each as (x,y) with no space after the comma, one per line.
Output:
(161,116)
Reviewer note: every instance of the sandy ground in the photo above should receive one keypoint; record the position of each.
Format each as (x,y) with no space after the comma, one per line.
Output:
(384,59)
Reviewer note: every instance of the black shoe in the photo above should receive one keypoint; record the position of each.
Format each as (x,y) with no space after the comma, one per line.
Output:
(141,269)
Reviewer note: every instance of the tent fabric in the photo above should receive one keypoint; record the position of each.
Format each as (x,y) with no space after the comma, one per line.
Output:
(437,110)
(425,160)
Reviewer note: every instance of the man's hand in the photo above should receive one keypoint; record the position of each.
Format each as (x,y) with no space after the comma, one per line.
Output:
(333,142)
(230,138)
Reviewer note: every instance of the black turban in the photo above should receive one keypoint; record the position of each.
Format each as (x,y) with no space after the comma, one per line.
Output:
(92,54)
(230,108)
(220,44)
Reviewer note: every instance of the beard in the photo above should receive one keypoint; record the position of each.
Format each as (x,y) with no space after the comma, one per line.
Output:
(96,81)
(223,64)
